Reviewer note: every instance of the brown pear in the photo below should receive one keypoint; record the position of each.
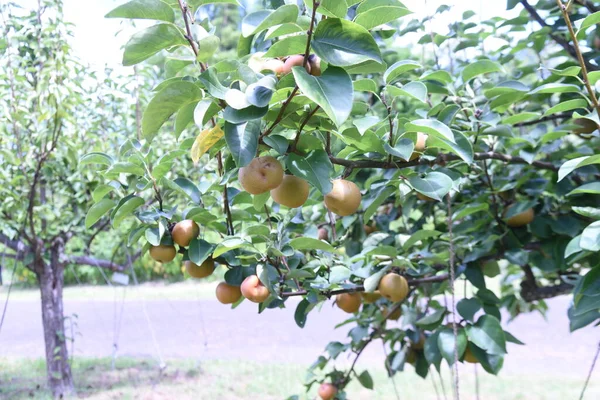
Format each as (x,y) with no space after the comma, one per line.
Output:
(184,231)
(344,199)
(349,302)
(420,146)
(521,219)
(393,287)
(261,175)
(200,271)
(292,192)
(228,294)
(163,253)
(253,289)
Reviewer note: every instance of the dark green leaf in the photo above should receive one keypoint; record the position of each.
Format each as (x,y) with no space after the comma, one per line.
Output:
(150,41)
(242,140)
(143,9)
(316,168)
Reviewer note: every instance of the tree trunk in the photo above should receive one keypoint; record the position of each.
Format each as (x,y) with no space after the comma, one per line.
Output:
(50,277)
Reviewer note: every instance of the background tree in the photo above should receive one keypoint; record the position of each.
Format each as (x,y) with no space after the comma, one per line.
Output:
(504,184)
(45,197)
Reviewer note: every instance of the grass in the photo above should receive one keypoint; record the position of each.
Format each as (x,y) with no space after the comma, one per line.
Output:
(233,380)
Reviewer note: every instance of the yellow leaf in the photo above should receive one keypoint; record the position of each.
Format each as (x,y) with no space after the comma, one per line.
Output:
(205,140)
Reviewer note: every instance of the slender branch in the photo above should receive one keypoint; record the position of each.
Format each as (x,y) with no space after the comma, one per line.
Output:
(190,38)
(582,61)
(452,280)
(302,125)
(495,208)
(15,245)
(553,117)
(95,262)
(558,39)
(96,232)
(442,158)
(361,288)
(316,5)
(279,117)
(229,218)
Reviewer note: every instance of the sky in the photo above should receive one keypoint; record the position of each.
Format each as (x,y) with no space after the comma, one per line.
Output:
(98,41)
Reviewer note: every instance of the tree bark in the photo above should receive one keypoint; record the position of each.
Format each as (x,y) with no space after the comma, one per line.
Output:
(50,278)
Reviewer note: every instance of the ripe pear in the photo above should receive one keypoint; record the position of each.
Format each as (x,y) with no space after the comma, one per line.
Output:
(261,175)
(184,231)
(369,298)
(586,127)
(520,219)
(327,391)
(349,302)
(422,197)
(344,199)
(228,294)
(292,192)
(294,61)
(253,289)
(163,253)
(274,65)
(420,146)
(200,271)
(315,65)
(322,234)
(393,287)
(395,315)
(470,357)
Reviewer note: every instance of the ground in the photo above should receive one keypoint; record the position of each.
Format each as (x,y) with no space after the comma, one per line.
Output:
(209,351)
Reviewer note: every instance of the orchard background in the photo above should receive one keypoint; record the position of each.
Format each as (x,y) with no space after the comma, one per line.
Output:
(434,175)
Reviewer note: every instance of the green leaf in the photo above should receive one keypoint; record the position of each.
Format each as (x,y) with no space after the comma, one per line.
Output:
(592,187)
(204,111)
(416,90)
(371,204)
(101,191)
(575,163)
(588,212)
(165,103)
(372,282)
(198,3)
(432,320)
(259,21)
(97,211)
(555,88)
(154,235)
(431,127)
(479,68)
(96,158)
(446,344)
(125,168)
(403,148)
(399,68)
(199,250)
(143,9)
(468,307)
(487,334)
(569,71)
(150,41)
(435,185)
(590,20)
(365,379)
(259,94)
(287,46)
(420,235)
(242,140)
(365,85)
(307,243)
(567,106)
(372,13)
(343,43)
(207,46)
(187,187)
(125,208)
(330,8)
(594,77)
(461,148)
(184,117)
(438,76)
(246,114)
(573,247)
(212,84)
(301,312)
(590,237)
(316,168)
(332,91)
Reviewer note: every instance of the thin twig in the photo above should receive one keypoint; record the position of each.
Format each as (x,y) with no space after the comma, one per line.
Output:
(228,217)
(302,125)
(309,34)
(587,381)
(279,117)
(452,278)
(582,61)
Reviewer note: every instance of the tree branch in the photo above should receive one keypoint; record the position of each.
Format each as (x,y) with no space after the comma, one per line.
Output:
(442,158)
(279,117)
(15,245)
(302,125)
(558,39)
(316,5)
(96,262)
(582,61)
